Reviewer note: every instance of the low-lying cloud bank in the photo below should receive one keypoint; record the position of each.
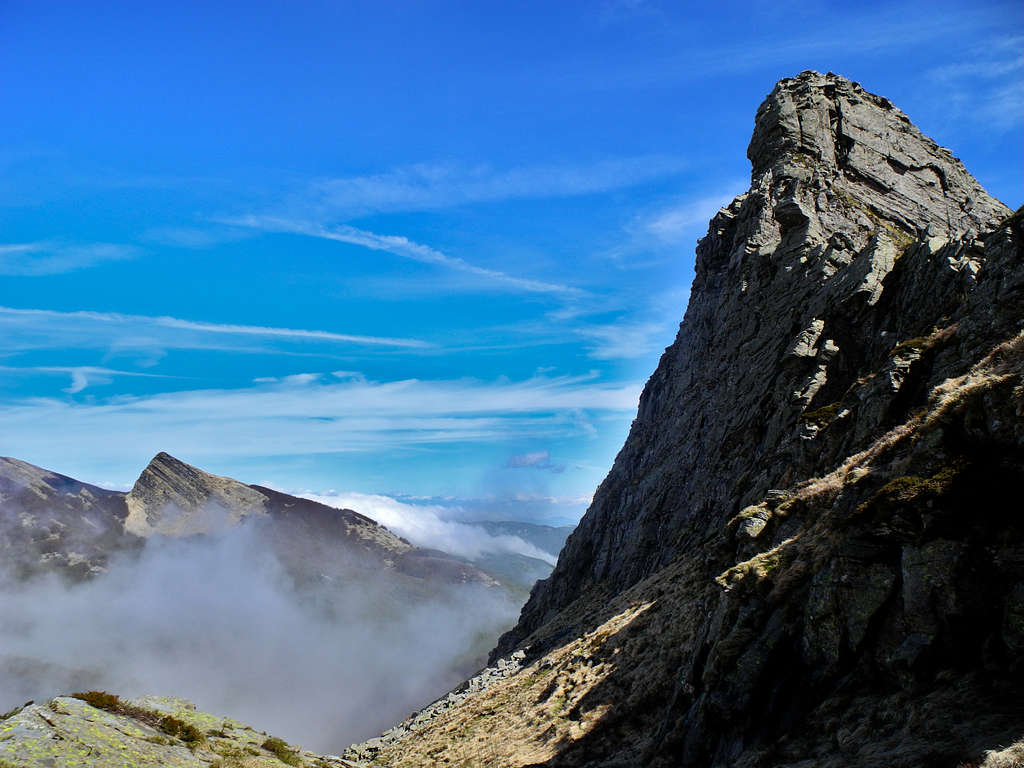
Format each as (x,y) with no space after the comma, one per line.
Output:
(425,526)
(218,620)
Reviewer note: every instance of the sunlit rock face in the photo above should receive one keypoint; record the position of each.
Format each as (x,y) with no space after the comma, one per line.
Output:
(808,550)
(173,498)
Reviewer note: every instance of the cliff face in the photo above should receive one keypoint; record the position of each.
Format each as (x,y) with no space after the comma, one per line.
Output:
(858,232)
(809,551)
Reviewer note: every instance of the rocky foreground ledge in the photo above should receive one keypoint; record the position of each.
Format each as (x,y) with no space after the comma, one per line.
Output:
(100,730)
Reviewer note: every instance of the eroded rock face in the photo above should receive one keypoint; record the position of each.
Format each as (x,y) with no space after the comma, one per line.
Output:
(857,233)
(815,518)
(173,498)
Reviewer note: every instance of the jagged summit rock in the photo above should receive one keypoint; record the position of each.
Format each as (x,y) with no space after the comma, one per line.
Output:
(173,498)
(829,127)
(807,552)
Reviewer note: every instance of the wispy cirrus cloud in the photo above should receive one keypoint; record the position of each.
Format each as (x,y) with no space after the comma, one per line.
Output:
(404,248)
(195,237)
(426,186)
(309,416)
(885,31)
(986,87)
(27,329)
(289,333)
(676,224)
(535,460)
(631,326)
(625,340)
(82,376)
(51,258)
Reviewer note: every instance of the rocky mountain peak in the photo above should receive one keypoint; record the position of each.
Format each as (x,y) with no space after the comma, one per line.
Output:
(824,130)
(173,498)
(804,554)
(857,232)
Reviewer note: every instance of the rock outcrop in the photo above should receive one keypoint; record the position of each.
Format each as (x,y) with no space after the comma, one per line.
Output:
(809,551)
(858,232)
(173,498)
(151,732)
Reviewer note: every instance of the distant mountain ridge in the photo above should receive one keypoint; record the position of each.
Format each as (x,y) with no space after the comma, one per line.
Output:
(53,523)
(238,594)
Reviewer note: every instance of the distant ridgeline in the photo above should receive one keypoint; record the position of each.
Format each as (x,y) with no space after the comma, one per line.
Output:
(810,550)
(52,523)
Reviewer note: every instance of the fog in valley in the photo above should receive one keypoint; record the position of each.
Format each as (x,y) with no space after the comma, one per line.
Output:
(219,620)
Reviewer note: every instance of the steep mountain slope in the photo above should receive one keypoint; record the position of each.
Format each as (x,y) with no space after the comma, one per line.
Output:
(809,550)
(49,522)
(173,498)
(797,294)
(54,523)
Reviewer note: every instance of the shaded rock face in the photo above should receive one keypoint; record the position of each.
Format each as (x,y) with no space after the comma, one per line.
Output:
(858,232)
(815,518)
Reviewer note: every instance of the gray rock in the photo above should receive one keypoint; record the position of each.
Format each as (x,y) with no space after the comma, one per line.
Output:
(173,498)
(814,457)
(785,310)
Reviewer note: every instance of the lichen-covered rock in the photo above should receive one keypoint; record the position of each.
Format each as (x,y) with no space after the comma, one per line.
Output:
(67,732)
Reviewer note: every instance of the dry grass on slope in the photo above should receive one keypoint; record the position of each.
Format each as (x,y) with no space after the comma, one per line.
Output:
(527,718)
(1011,757)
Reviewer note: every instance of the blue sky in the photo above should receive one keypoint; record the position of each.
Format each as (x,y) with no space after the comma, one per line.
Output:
(428,250)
